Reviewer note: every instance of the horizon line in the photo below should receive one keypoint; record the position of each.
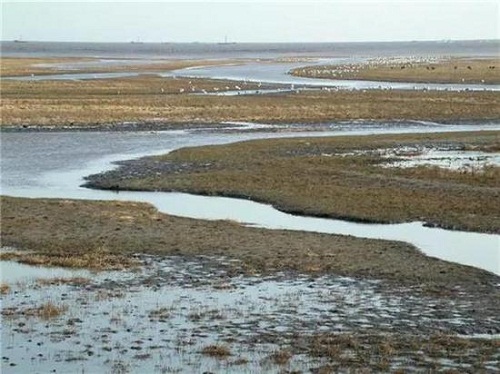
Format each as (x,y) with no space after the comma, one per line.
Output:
(247,42)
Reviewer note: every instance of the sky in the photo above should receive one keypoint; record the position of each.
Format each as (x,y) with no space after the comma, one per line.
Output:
(250,21)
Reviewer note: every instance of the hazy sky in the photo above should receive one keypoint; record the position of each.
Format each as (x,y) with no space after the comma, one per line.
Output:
(250,21)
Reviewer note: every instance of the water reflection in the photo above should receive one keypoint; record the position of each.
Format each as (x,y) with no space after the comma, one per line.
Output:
(52,165)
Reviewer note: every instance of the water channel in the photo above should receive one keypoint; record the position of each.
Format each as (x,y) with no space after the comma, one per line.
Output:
(270,72)
(53,165)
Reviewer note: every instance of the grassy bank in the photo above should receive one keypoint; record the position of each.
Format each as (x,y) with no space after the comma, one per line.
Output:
(151,98)
(14,66)
(71,229)
(322,177)
(438,71)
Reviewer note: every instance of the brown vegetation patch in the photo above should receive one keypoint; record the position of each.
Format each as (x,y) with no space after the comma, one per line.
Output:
(41,225)
(216,350)
(46,311)
(4,288)
(95,258)
(384,352)
(160,100)
(321,177)
(439,71)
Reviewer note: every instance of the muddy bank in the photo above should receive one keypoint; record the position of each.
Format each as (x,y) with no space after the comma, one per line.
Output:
(338,177)
(122,228)
(124,126)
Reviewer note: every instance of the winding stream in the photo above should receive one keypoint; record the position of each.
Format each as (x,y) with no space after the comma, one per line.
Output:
(274,72)
(277,73)
(53,165)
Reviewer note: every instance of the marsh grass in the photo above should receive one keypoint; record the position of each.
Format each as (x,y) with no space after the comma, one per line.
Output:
(95,259)
(4,289)
(50,310)
(216,351)
(91,224)
(443,71)
(47,311)
(295,176)
(383,352)
(150,99)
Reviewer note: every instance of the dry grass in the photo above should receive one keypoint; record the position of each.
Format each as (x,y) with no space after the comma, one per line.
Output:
(94,258)
(49,310)
(381,351)
(44,226)
(141,99)
(46,311)
(4,288)
(305,176)
(444,71)
(216,350)
(302,108)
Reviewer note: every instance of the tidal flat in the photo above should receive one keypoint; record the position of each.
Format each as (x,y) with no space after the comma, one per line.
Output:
(118,286)
(155,99)
(337,177)
(196,295)
(405,69)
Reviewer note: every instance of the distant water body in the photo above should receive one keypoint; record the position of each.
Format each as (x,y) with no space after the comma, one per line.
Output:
(477,48)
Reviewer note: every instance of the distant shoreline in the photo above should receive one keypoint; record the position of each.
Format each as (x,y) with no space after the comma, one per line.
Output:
(488,47)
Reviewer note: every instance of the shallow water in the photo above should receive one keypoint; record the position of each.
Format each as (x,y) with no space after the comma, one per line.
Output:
(270,73)
(13,272)
(471,161)
(53,165)
(158,319)
(277,73)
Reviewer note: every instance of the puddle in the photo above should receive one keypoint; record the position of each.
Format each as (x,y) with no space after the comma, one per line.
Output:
(15,272)
(414,156)
(452,160)
(159,319)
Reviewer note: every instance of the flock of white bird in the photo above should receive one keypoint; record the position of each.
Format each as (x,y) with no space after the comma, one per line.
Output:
(346,70)
(329,71)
